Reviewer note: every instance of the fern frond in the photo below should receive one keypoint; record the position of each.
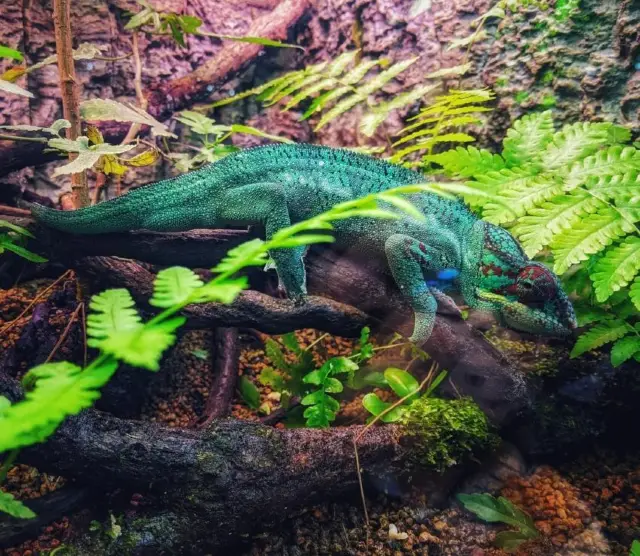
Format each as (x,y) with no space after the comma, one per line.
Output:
(518,188)
(624,349)
(527,139)
(599,335)
(466,161)
(173,286)
(618,266)
(590,237)
(381,111)
(428,143)
(538,228)
(112,311)
(362,93)
(593,170)
(634,293)
(573,142)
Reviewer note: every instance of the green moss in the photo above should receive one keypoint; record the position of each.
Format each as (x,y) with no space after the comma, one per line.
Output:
(521,96)
(502,82)
(446,432)
(548,101)
(547,77)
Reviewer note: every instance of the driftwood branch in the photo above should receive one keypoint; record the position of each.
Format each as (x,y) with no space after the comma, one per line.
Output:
(170,96)
(347,293)
(226,351)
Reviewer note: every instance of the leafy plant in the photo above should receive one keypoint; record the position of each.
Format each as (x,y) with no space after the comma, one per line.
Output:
(333,88)
(10,241)
(403,384)
(153,21)
(571,194)
(635,548)
(13,507)
(321,407)
(501,510)
(436,124)
(211,138)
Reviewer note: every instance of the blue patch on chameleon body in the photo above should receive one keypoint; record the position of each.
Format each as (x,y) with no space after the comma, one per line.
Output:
(448,274)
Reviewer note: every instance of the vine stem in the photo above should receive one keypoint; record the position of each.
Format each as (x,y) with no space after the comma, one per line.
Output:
(70,93)
(8,464)
(5,137)
(428,378)
(137,82)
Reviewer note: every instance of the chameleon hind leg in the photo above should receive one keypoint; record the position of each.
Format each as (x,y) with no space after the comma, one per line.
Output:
(408,258)
(266,204)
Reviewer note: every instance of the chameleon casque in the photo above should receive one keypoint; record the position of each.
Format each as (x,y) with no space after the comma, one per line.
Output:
(275,186)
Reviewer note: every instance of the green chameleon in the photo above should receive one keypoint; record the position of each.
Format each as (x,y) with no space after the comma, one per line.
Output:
(276,186)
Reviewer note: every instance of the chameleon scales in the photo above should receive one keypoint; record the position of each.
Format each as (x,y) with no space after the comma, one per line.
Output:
(276,186)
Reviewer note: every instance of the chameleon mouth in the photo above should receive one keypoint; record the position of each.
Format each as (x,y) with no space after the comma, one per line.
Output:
(535,321)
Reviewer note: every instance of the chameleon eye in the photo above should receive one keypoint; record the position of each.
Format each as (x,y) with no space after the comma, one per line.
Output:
(536,281)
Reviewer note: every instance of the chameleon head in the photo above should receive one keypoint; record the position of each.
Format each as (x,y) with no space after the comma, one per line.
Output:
(523,294)
(536,303)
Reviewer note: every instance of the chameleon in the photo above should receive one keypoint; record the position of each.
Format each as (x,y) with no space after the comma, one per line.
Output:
(450,250)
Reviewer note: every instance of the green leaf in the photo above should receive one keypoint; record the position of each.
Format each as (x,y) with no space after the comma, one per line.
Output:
(600,335)
(498,510)
(5,403)
(527,138)
(466,161)
(618,267)
(272,378)
(634,293)
(14,89)
(109,110)
(635,548)
(509,541)
(290,341)
(435,383)
(225,291)
(454,71)
(374,405)
(61,389)
(248,130)
(142,347)
(402,383)
(573,142)
(174,286)
(7,243)
(111,311)
(253,40)
(15,508)
(276,355)
(624,349)
(333,386)
(6,52)
(250,394)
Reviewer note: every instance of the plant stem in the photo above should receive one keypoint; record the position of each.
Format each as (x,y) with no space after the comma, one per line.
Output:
(70,93)
(21,138)
(8,464)
(137,82)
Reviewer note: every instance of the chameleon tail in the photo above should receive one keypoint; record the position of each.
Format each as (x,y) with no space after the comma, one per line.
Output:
(109,216)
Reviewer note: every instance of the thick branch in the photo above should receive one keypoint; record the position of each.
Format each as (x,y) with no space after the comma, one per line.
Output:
(364,294)
(225,374)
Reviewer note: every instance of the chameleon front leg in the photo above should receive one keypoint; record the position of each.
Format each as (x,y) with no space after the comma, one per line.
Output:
(408,258)
(266,203)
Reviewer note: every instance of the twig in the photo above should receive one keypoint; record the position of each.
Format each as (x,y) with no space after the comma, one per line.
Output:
(65,332)
(137,82)
(13,211)
(432,370)
(10,324)
(70,93)
(22,138)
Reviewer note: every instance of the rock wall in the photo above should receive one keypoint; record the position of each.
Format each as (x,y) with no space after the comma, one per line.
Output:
(583,65)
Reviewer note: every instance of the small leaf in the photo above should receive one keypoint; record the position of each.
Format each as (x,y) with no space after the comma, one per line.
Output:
(109,110)
(146,158)
(509,541)
(83,161)
(142,347)
(13,507)
(223,292)
(5,403)
(111,311)
(402,383)
(454,71)
(174,286)
(6,52)
(599,335)
(272,378)
(8,244)
(624,349)
(374,405)
(9,87)
(253,40)
(249,392)
(291,342)
(635,548)
(15,228)
(333,386)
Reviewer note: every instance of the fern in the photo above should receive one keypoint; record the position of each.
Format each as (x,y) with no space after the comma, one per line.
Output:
(433,124)
(526,140)
(174,286)
(13,507)
(575,193)
(331,89)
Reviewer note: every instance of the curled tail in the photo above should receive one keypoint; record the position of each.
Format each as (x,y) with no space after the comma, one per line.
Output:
(109,216)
